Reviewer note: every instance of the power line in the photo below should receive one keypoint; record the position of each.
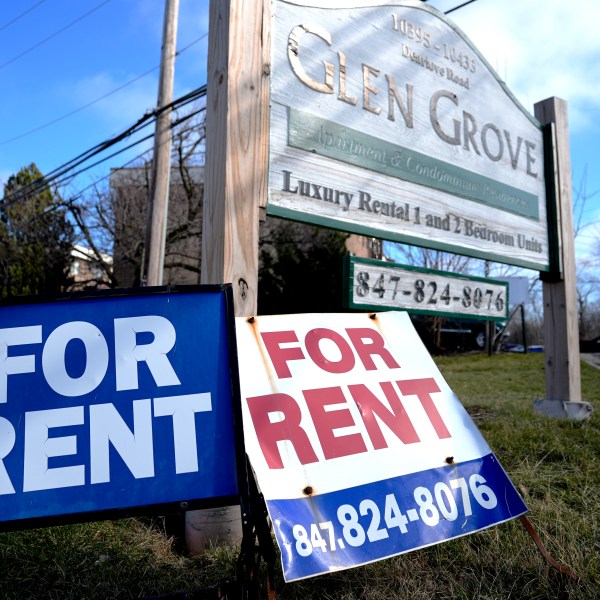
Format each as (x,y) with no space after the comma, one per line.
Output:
(80,193)
(53,35)
(55,175)
(59,174)
(77,110)
(70,202)
(25,12)
(447,12)
(142,122)
(459,6)
(192,43)
(132,145)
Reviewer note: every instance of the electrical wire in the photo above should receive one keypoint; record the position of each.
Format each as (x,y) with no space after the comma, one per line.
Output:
(128,147)
(55,175)
(53,35)
(59,174)
(144,121)
(459,6)
(73,112)
(25,12)
(192,43)
(80,193)
(447,12)
(118,89)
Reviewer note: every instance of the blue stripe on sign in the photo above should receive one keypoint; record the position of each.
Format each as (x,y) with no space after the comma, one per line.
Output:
(365,523)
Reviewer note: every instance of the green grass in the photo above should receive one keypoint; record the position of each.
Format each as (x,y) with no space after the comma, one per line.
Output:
(555,464)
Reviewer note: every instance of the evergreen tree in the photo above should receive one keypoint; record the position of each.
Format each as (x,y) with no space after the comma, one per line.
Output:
(301,268)
(36,238)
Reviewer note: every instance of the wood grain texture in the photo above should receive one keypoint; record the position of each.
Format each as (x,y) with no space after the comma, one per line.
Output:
(235,186)
(236,146)
(561,329)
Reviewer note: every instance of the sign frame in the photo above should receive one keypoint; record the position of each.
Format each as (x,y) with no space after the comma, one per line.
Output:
(350,272)
(240,496)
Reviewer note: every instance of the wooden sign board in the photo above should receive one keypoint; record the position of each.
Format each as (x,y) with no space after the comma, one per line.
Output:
(377,285)
(386,121)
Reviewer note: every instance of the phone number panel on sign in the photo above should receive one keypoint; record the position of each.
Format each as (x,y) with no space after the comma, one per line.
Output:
(385,518)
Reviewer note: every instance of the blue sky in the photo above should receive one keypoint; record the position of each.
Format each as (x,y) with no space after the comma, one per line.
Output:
(60,56)
(103,45)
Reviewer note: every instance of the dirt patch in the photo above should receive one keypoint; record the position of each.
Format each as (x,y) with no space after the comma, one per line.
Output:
(479,414)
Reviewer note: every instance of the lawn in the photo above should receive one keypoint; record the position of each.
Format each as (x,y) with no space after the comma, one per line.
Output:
(555,464)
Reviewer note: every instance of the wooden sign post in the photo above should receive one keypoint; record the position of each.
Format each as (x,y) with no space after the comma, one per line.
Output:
(235,183)
(561,331)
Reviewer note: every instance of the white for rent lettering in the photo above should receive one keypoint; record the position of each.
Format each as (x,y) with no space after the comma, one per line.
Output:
(107,428)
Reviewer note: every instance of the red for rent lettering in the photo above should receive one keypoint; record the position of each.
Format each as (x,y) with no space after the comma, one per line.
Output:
(364,342)
(277,418)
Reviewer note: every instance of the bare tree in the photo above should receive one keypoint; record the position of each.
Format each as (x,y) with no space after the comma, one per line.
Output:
(588,284)
(110,216)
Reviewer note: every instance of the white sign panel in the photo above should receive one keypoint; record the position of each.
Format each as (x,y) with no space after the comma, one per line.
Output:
(387,121)
(360,448)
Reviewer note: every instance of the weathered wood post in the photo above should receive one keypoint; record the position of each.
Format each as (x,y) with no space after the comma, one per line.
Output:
(235,184)
(561,329)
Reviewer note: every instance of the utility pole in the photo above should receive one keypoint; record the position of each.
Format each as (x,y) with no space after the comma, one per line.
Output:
(158,199)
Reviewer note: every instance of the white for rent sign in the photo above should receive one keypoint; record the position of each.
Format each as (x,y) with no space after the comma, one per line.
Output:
(361,449)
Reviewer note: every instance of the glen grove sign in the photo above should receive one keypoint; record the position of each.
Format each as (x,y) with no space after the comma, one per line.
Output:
(361,449)
(387,121)
(116,403)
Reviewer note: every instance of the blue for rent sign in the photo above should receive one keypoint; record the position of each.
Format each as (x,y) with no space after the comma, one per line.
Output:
(116,402)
